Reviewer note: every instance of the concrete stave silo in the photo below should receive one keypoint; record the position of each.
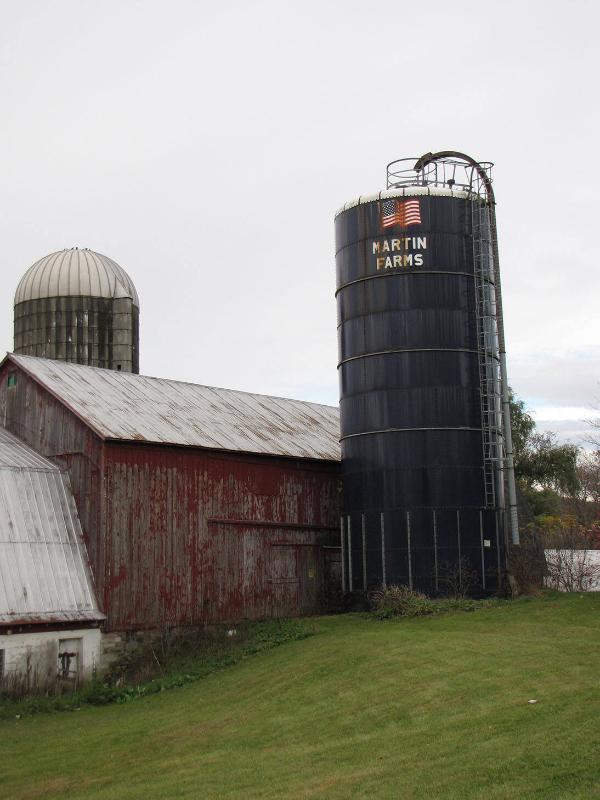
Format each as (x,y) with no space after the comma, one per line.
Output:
(420,383)
(79,306)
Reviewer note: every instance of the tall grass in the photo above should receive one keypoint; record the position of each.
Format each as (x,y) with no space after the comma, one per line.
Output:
(165,662)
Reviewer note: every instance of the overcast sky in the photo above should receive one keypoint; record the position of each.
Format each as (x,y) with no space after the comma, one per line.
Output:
(206,147)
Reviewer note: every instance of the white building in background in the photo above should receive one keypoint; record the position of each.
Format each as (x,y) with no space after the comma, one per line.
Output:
(49,616)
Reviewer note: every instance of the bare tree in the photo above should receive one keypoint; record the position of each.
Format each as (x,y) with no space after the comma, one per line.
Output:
(588,471)
(593,436)
(571,565)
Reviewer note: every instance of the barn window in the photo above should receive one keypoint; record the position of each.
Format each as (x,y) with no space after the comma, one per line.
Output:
(12,379)
(2,662)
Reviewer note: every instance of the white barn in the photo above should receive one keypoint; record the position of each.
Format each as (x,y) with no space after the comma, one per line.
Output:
(49,616)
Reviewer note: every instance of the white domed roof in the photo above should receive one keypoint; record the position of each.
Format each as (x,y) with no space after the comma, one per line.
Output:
(75,273)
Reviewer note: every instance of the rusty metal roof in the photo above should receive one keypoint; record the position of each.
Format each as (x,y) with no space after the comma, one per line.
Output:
(130,407)
(44,571)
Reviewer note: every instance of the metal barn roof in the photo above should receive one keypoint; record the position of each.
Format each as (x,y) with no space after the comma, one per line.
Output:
(75,272)
(130,407)
(44,573)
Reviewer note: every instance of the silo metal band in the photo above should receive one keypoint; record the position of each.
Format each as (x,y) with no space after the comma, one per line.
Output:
(403,274)
(408,350)
(403,430)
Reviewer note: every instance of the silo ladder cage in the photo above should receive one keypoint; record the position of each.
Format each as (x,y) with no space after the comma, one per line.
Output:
(456,174)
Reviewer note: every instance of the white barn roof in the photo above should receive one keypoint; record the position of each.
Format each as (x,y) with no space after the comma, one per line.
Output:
(118,405)
(44,572)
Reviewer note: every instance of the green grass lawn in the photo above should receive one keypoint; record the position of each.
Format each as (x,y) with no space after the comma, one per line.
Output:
(431,707)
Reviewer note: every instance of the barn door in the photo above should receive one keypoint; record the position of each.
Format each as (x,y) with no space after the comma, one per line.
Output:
(284,562)
(310,578)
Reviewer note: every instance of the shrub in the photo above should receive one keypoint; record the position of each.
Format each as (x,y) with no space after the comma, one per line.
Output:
(527,567)
(400,601)
(572,570)
(556,552)
(457,578)
(571,563)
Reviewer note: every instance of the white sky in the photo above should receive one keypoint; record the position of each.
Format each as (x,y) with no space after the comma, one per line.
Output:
(206,147)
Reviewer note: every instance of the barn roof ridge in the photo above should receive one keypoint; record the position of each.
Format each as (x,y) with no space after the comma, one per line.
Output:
(18,356)
(139,408)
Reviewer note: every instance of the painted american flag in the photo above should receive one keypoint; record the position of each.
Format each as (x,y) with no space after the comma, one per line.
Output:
(400,212)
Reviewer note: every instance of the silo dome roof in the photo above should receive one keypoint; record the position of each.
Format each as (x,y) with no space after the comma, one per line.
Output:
(75,273)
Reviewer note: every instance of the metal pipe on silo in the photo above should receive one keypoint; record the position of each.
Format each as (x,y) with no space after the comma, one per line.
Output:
(350,578)
(343,554)
(364,552)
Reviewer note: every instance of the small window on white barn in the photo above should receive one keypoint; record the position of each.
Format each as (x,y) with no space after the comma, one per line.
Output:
(69,658)
(2,662)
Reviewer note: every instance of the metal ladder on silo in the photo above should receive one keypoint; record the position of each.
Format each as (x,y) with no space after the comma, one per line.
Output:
(486,347)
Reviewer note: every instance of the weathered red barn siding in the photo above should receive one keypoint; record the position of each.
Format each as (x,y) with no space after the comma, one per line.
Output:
(44,423)
(184,535)
(199,536)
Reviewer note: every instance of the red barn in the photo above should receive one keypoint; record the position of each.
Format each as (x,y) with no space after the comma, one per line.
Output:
(197,504)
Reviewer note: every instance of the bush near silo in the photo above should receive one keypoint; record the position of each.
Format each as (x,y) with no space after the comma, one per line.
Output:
(457,578)
(555,552)
(400,601)
(527,563)
(571,565)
